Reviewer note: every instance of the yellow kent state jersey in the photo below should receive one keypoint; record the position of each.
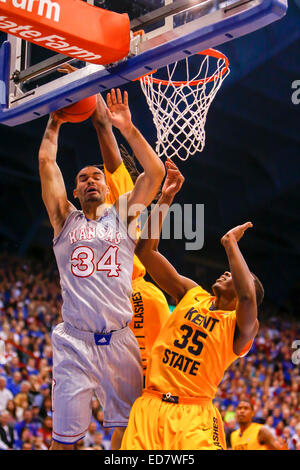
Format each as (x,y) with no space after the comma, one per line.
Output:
(150,312)
(120,183)
(193,349)
(248,440)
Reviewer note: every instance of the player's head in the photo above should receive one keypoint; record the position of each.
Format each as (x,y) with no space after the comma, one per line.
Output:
(90,186)
(224,287)
(244,412)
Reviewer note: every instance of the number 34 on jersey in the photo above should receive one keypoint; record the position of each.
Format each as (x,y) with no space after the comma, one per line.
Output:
(84,264)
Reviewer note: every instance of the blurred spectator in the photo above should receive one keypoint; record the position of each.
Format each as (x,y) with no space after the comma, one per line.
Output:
(38,443)
(26,437)
(46,431)
(14,384)
(11,408)
(106,439)
(46,408)
(43,393)
(27,422)
(5,394)
(7,435)
(296,438)
(89,438)
(22,399)
(27,445)
(98,445)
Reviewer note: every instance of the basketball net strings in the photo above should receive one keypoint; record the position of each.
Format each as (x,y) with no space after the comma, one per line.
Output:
(179,112)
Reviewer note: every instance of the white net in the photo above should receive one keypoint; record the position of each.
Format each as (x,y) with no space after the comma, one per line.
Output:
(180,109)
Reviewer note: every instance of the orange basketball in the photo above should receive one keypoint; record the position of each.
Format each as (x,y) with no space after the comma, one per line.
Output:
(79,111)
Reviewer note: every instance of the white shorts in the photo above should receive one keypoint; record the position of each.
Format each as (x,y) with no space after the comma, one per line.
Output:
(85,364)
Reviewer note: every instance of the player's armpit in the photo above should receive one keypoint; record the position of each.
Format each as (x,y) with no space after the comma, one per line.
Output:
(243,338)
(164,274)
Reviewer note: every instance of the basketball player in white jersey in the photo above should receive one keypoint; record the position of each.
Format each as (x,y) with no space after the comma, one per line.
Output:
(94,351)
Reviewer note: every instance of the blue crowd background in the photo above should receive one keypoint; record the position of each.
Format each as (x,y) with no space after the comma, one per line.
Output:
(30,307)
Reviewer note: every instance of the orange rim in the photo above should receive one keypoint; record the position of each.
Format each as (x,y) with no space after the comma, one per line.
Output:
(208,52)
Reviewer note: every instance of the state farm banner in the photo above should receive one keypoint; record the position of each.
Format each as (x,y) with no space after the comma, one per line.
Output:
(70,27)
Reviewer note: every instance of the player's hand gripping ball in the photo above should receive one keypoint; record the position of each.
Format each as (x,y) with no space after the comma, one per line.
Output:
(79,111)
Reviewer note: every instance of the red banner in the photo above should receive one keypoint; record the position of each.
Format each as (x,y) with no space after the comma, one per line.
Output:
(70,27)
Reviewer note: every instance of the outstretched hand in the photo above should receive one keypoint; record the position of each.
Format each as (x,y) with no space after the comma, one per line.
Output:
(174,180)
(55,118)
(118,110)
(236,233)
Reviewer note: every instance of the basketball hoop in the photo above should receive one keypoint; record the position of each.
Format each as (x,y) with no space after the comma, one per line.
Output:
(180,108)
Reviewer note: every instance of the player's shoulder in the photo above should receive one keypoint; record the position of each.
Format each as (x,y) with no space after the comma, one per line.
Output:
(74,215)
(120,170)
(194,295)
(234,433)
(258,426)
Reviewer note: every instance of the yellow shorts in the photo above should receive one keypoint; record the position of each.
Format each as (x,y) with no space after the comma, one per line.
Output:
(192,424)
(150,312)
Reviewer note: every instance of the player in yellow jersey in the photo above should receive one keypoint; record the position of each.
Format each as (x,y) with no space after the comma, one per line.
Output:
(250,435)
(202,337)
(149,304)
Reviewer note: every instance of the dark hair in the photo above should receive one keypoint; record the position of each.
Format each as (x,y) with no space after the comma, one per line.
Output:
(129,163)
(131,167)
(246,400)
(260,293)
(101,167)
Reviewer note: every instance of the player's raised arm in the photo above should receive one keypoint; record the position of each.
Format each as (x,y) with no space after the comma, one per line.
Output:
(159,268)
(244,285)
(148,183)
(53,187)
(108,145)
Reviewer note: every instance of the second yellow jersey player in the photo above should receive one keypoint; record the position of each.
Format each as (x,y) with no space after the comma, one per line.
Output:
(251,435)
(149,304)
(248,440)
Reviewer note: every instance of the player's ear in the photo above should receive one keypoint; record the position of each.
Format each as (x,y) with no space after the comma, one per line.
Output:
(75,193)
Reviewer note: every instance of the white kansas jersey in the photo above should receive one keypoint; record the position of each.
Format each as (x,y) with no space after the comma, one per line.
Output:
(95,262)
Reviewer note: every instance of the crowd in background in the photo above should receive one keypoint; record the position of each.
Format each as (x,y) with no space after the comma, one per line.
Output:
(30,307)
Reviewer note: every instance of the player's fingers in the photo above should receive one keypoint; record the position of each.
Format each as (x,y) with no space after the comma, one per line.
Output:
(170,163)
(173,173)
(108,99)
(247,225)
(113,96)
(119,96)
(126,98)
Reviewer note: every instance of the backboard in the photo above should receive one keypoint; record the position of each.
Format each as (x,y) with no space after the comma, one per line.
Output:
(161,32)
